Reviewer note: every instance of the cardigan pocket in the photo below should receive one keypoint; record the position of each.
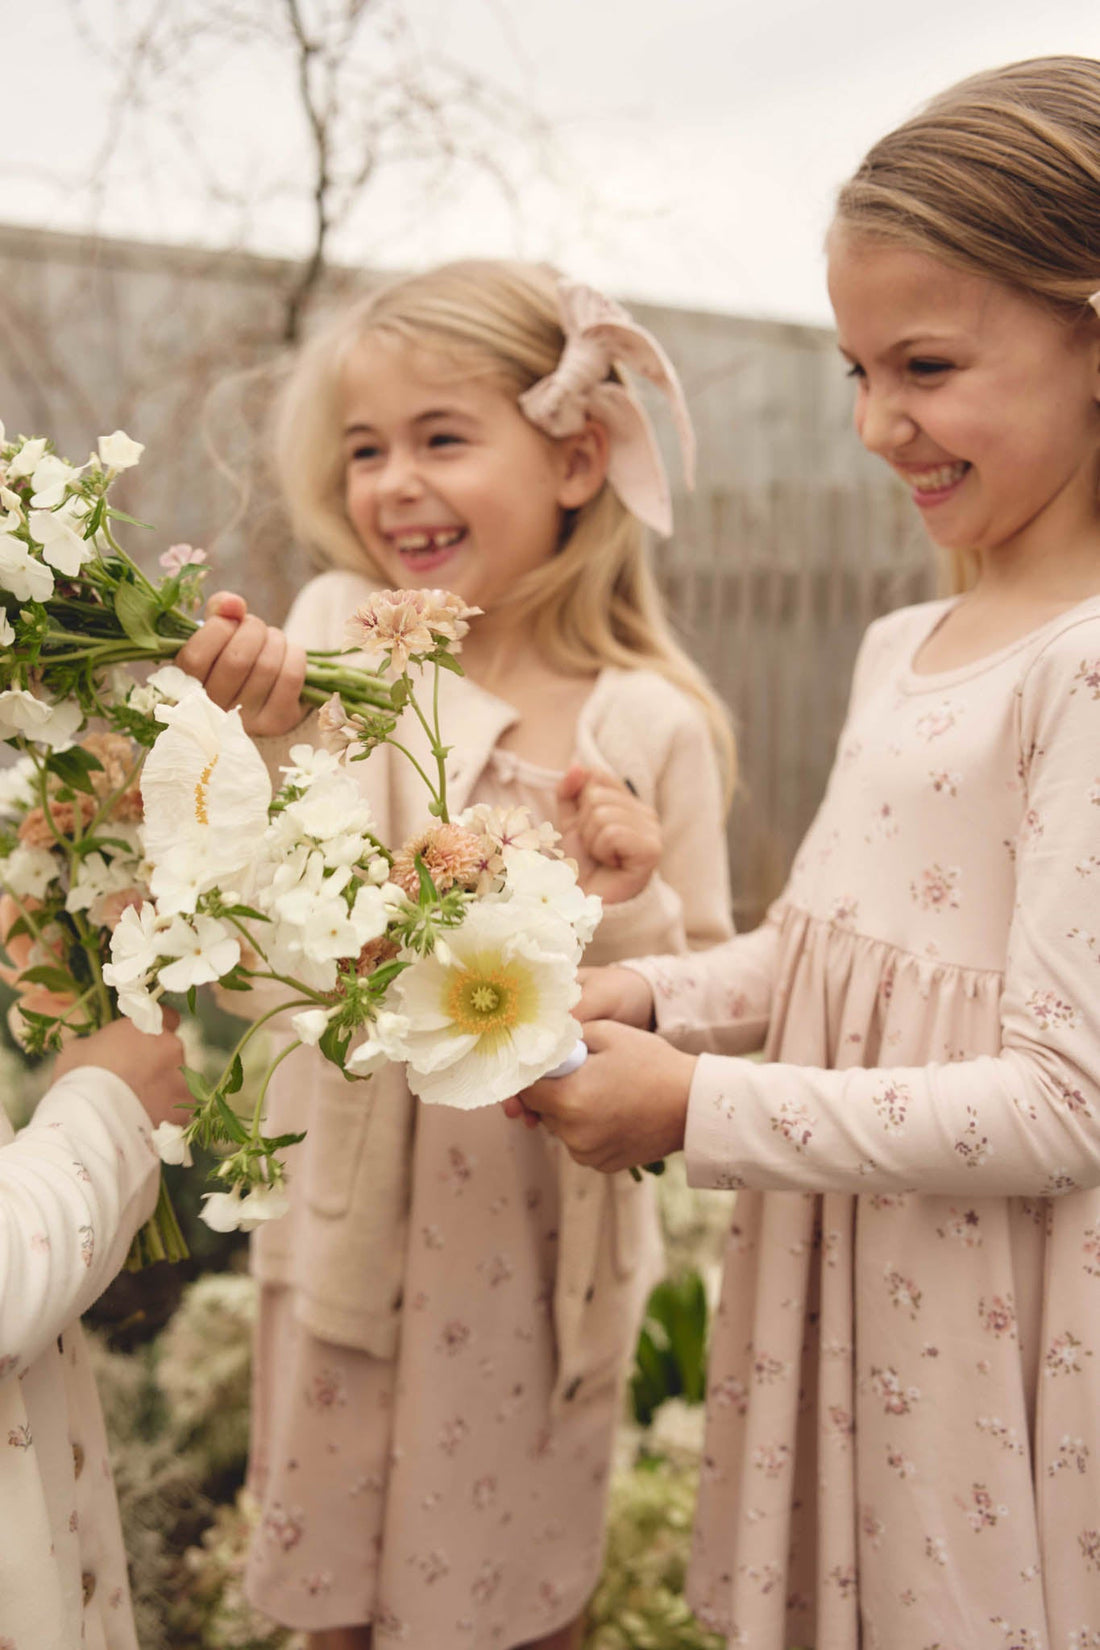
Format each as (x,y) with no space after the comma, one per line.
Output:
(335,1136)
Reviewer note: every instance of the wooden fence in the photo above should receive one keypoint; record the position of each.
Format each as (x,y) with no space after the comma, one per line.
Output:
(791,544)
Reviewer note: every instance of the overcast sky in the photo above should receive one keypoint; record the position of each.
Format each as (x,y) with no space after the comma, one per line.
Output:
(697,142)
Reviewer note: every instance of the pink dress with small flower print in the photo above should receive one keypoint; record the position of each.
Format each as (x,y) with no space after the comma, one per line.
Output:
(437,1496)
(903,1444)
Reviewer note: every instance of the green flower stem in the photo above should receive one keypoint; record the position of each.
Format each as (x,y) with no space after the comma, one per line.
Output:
(398,746)
(258,1109)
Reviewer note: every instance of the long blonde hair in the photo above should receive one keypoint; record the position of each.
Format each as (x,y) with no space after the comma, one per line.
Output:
(596,601)
(1000,176)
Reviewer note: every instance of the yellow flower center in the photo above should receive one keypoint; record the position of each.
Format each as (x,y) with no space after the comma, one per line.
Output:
(201,788)
(488,998)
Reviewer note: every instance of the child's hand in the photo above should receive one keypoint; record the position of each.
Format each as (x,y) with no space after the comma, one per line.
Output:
(626,1105)
(615,837)
(615,994)
(150,1065)
(240,660)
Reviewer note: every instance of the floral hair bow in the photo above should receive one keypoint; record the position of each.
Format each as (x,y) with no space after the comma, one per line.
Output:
(598,334)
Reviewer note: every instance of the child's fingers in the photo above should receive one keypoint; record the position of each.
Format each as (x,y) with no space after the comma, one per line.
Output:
(239,656)
(572,782)
(283,708)
(226,604)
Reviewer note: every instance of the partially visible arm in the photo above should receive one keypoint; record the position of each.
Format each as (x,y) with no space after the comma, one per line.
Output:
(75,1185)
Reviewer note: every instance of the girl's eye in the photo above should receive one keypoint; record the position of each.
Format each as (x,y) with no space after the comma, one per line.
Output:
(854,370)
(444,438)
(921,367)
(364,451)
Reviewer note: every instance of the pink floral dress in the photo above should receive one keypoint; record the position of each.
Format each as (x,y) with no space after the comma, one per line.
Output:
(904,1391)
(438,1496)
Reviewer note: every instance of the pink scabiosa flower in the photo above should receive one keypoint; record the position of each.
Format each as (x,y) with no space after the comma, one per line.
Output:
(404,623)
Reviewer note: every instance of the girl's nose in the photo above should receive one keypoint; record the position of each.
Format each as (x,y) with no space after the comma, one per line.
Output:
(882,422)
(400,477)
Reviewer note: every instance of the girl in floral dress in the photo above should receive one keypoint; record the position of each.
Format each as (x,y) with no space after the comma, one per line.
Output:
(448,1311)
(903,1445)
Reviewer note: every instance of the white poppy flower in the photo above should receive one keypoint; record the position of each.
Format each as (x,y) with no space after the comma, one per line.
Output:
(22,713)
(61,535)
(206,793)
(28,872)
(170,1144)
(118,451)
(171,683)
(497,1015)
(28,579)
(204,950)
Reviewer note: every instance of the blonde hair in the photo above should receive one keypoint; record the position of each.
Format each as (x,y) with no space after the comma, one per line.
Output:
(1000,176)
(596,601)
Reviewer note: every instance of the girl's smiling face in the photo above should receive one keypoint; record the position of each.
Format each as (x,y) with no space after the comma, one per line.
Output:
(982,399)
(446,483)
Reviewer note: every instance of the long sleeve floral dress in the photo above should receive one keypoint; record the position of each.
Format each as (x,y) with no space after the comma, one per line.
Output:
(904,1391)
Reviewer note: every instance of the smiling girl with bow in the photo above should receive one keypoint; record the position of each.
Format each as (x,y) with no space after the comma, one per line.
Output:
(448,1311)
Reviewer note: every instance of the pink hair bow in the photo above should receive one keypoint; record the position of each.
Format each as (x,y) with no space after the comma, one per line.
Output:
(599,333)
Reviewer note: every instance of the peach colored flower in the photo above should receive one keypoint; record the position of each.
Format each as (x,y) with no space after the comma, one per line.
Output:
(336,732)
(451,855)
(407,622)
(23,952)
(375,953)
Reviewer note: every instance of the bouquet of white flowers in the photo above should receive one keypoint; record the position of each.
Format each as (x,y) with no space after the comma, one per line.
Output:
(153,855)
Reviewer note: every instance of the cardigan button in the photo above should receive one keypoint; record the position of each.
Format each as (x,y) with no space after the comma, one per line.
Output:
(87,1582)
(78,1460)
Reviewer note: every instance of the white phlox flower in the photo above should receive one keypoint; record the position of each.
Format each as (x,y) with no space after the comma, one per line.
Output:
(309,1026)
(332,806)
(533,879)
(7,629)
(384,1044)
(496,1016)
(11,502)
(21,713)
(204,949)
(61,534)
(17,784)
(171,1145)
(296,900)
(28,579)
(28,871)
(142,1007)
(206,793)
(237,1212)
(309,763)
(97,878)
(135,945)
(118,451)
(22,464)
(50,479)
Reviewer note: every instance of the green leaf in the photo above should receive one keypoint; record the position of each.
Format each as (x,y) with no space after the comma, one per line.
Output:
(131,521)
(399,693)
(54,979)
(236,1076)
(447,661)
(276,1142)
(232,1124)
(137,612)
(335,1042)
(192,998)
(73,768)
(429,894)
(196,1082)
(245,911)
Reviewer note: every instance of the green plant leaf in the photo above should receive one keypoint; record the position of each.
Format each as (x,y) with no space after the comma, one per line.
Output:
(137,611)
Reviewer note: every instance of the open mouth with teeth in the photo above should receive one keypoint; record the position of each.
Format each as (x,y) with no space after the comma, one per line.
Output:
(937,480)
(424,547)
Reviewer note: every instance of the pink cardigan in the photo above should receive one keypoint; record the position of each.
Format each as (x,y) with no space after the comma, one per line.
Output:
(341,1248)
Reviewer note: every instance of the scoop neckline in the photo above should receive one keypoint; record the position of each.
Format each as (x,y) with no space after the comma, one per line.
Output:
(919,681)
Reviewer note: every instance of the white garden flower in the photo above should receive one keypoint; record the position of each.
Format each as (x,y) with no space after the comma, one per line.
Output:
(135,945)
(17,784)
(11,501)
(309,1026)
(28,872)
(384,1044)
(61,535)
(496,1016)
(141,1006)
(234,1211)
(309,763)
(206,793)
(28,579)
(533,879)
(332,806)
(171,683)
(50,479)
(97,878)
(24,462)
(171,1144)
(22,713)
(204,950)
(7,631)
(118,451)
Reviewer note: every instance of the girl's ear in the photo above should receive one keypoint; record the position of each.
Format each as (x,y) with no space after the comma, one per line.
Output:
(584,465)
